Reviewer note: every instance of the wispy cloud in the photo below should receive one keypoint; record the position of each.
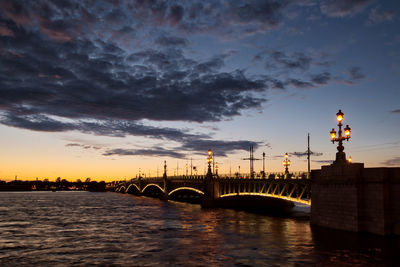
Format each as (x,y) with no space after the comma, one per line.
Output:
(343,8)
(392,162)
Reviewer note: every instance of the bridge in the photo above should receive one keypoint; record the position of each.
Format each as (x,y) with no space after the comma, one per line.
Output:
(213,190)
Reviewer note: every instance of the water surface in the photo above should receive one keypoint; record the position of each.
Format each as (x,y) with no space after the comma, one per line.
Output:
(83,228)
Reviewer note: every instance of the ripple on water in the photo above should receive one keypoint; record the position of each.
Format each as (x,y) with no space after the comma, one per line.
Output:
(82,228)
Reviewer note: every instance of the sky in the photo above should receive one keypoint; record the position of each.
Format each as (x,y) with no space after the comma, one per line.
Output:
(111,89)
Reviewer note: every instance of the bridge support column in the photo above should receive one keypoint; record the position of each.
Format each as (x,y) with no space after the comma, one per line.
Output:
(211,191)
(165,187)
(353,198)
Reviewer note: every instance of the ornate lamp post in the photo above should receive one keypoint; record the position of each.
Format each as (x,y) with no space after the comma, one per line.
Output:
(340,155)
(263,172)
(209,161)
(286,163)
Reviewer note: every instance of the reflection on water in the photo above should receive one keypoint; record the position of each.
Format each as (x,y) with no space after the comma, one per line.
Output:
(81,228)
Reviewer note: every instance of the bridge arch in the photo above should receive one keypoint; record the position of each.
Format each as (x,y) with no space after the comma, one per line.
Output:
(153,185)
(121,189)
(186,188)
(133,186)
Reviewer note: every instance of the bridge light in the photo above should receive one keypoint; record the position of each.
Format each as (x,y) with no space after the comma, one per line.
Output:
(339,116)
(340,155)
(209,161)
(286,163)
(333,134)
(347,131)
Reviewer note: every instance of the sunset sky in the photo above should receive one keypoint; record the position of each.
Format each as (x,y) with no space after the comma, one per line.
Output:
(102,89)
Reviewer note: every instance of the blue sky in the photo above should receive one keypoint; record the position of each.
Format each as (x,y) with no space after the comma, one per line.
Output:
(105,88)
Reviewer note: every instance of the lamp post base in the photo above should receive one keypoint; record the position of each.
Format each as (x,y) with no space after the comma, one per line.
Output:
(340,158)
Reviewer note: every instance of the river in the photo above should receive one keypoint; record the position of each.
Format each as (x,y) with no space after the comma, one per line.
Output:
(111,229)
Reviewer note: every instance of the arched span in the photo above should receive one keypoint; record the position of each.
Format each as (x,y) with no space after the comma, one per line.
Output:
(156,185)
(186,188)
(307,202)
(137,187)
(120,189)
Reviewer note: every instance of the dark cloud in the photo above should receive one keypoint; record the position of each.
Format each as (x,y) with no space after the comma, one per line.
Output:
(220,148)
(72,145)
(355,74)
(304,154)
(321,79)
(80,145)
(343,8)
(395,111)
(392,162)
(277,84)
(61,79)
(190,146)
(295,61)
(116,128)
(323,161)
(171,41)
(153,152)
(300,84)
(175,14)
(267,12)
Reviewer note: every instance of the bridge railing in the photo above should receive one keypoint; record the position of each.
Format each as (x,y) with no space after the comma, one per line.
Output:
(272,175)
(279,175)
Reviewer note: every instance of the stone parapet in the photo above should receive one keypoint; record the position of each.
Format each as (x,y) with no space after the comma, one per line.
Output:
(353,198)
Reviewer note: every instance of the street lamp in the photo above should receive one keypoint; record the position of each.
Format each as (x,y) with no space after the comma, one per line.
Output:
(209,161)
(340,155)
(286,163)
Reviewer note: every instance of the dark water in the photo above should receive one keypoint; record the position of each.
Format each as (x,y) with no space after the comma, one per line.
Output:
(82,228)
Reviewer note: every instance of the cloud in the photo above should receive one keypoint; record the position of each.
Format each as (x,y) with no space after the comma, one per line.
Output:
(72,145)
(395,111)
(81,145)
(323,161)
(110,84)
(189,146)
(300,84)
(392,162)
(321,79)
(295,61)
(220,148)
(355,74)
(71,66)
(303,154)
(154,152)
(343,8)
(4,31)
(376,16)
(173,41)
(267,11)
(175,14)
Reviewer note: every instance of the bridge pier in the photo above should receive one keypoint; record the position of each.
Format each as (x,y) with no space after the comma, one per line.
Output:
(349,197)
(165,183)
(211,191)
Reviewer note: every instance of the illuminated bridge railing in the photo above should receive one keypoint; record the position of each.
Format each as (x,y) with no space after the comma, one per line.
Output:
(292,187)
